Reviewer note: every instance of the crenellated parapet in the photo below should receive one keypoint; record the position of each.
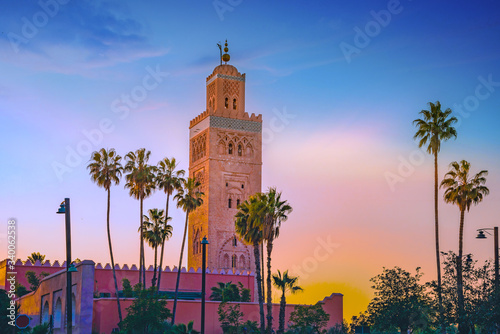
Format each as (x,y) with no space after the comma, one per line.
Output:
(28,265)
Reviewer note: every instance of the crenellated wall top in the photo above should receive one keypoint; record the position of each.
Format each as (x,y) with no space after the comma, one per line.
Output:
(107,266)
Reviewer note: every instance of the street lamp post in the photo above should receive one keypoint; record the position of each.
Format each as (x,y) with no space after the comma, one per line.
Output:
(204,244)
(481,235)
(64,208)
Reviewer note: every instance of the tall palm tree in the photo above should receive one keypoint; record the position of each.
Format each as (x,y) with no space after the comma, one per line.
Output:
(170,180)
(434,127)
(156,231)
(249,226)
(275,211)
(106,169)
(285,284)
(463,190)
(140,182)
(36,257)
(189,197)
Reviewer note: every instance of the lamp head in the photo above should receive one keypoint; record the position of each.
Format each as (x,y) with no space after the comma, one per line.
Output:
(72,268)
(481,235)
(204,241)
(62,208)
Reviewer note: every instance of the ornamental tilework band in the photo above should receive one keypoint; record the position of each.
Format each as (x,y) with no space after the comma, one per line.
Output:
(224,76)
(235,124)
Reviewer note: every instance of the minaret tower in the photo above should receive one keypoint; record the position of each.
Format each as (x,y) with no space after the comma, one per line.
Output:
(225,155)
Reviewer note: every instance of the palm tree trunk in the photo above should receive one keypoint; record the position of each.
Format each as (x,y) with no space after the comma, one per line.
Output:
(460,292)
(281,329)
(153,281)
(140,242)
(143,257)
(269,287)
(162,248)
(179,269)
(259,287)
(113,260)
(263,273)
(438,258)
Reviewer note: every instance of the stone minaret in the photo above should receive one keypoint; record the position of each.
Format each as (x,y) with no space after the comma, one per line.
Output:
(225,154)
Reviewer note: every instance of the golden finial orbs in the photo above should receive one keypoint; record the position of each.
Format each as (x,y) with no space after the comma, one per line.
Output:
(226,56)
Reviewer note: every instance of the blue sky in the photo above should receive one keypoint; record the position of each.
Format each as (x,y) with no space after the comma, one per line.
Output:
(65,71)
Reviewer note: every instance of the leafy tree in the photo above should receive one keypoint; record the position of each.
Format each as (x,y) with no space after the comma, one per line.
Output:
(34,279)
(480,303)
(249,225)
(400,300)
(434,127)
(21,290)
(463,190)
(147,314)
(309,319)
(169,179)
(285,284)
(342,328)
(41,329)
(105,170)
(36,256)
(128,291)
(250,327)
(183,329)
(140,182)
(230,317)
(189,197)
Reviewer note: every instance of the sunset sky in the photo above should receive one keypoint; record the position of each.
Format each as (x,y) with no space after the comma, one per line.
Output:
(338,84)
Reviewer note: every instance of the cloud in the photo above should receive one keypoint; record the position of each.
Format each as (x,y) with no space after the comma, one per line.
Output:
(72,38)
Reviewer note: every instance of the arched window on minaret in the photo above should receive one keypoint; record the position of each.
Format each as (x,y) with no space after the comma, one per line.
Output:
(229,203)
(234,103)
(226,103)
(242,262)
(240,150)
(233,261)
(235,241)
(230,150)
(237,202)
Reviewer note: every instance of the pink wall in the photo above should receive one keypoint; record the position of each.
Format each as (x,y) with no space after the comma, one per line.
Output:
(103,312)
(106,314)
(190,281)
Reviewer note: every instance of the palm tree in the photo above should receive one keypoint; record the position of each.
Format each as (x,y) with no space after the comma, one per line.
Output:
(106,169)
(36,257)
(170,180)
(225,292)
(140,182)
(249,226)
(156,230)
(188,198)
(285,284)
(435,127)
(463,190)
(275,212)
